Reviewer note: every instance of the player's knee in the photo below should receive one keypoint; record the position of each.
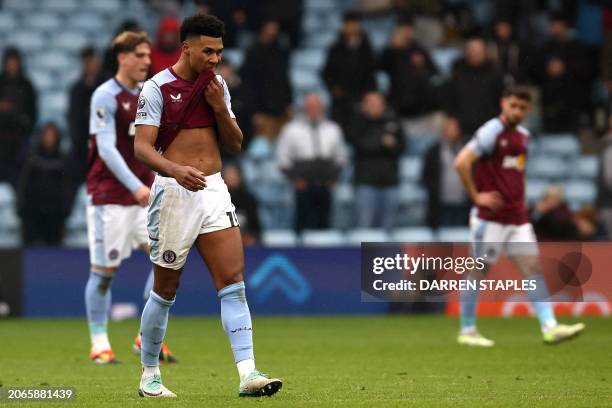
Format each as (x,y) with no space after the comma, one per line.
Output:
(234,275)
(167,292)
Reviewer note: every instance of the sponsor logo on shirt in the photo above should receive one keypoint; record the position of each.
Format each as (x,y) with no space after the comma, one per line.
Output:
(514,162)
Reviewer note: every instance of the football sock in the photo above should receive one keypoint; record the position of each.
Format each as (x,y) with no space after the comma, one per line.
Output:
(153,328)
(245,367)
(540,300)
(150,371)
(468,300)
(97,306)
(148,286)
(236,320)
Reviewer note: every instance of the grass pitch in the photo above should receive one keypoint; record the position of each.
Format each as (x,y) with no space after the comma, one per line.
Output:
(325,362)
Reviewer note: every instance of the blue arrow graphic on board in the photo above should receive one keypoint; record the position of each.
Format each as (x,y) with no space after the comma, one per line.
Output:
(277,272)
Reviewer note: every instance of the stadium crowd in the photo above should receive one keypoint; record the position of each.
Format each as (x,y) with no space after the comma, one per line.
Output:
(380,103)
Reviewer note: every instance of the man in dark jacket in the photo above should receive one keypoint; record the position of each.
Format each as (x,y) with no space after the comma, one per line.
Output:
(376,136)
(410,69)
(18,113)
(447,204)
(78,111)
(42,203)
(349,70)
(475,87)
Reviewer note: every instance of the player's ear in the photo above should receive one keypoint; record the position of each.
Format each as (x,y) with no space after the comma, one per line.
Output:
(185,47)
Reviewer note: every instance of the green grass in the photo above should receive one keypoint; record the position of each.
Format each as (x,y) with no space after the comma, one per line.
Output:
(325,362)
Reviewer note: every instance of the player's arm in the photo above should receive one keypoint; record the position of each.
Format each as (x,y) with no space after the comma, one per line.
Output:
(147,122)
(102,126)
(229,133)
(464,163)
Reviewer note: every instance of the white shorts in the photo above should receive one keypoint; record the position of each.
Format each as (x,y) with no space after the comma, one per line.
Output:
(114,231)
(490,239)
(177,216)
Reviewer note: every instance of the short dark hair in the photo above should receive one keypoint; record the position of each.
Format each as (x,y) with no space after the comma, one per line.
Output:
(518,92)
(202,24)
(88,52)
(127,41)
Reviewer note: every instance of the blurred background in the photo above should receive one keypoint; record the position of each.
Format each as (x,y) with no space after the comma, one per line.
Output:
(352,112)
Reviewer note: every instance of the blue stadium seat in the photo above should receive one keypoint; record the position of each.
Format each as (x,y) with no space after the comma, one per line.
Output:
(535,189)
(70,41)
(28,40)
(323,238)
(7,195)
(42,79)
(383,82)
(444,59)
(322,40)
(322,5)
(54,101)
(52,60)
(454,234)
(410,194)
(10,221)
(61,6)
(8,22)
(549,167)
(564,144)
(18,5)
(43,22)
(305,79)
(234,56)
(580,192)
(88,22)
(411,169)
(106,6)
(313,58)
(413,235)
(10,240)
(586,167)
(344,193)
(357,236)
(76,239)
(279,238)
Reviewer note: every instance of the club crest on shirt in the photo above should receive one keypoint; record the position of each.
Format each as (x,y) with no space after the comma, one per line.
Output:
(169,256)
(126,105)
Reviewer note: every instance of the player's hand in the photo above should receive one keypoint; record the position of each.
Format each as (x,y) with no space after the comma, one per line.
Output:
(190,178)
(142,196)
(490,199)
(214,95)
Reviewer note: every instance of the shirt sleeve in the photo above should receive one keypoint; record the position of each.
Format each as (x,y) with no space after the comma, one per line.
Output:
(102,126)
(484,141)
(226,97)
(150,103)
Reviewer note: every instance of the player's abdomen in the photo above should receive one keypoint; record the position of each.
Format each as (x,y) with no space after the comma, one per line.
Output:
(197,148)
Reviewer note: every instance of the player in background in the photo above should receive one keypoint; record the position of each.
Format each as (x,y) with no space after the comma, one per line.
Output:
(492,169)
(118,186)
(184,118)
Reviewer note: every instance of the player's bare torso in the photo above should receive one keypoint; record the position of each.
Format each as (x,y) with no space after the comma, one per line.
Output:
(196,148)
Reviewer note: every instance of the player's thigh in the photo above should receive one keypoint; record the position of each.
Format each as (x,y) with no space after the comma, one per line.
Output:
(109,243)
(223,254)
(140,235)
(486,239)
(522,248)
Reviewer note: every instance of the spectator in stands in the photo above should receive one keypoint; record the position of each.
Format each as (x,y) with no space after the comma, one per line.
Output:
(265,80)
(109,64)
(239,16)
(42,190)
(289,17)
(376,135)
(566,55)
(245,203)
(311,152)
(167,48)
(410,70)
(506,51)
(552,218)
(475,87)
(447,204)
(604,182)
(560,99)
(349,69)
(18,113)
(589,227)
(78,111)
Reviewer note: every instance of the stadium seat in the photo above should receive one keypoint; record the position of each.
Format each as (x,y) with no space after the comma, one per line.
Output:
(42,79)
(322,5)
(323,238)
(580,192)
(71,41)
(558,144)
(357,236)
(410,194)
(43,22)
(535,189)
(61,6)
(9,240)
(303,58)
(383,82)
(77,239)
(586,167)
(18,5)
(453,234)
(7,23)
(7,195)
(28,40)
(10,220)
(54,101)
(279,238)
(410,169)
(106,6)
(234,56)
(344,193)
(412,235)
(306,79)
(552,168)
(444,58)
(88,22)
(52,60)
